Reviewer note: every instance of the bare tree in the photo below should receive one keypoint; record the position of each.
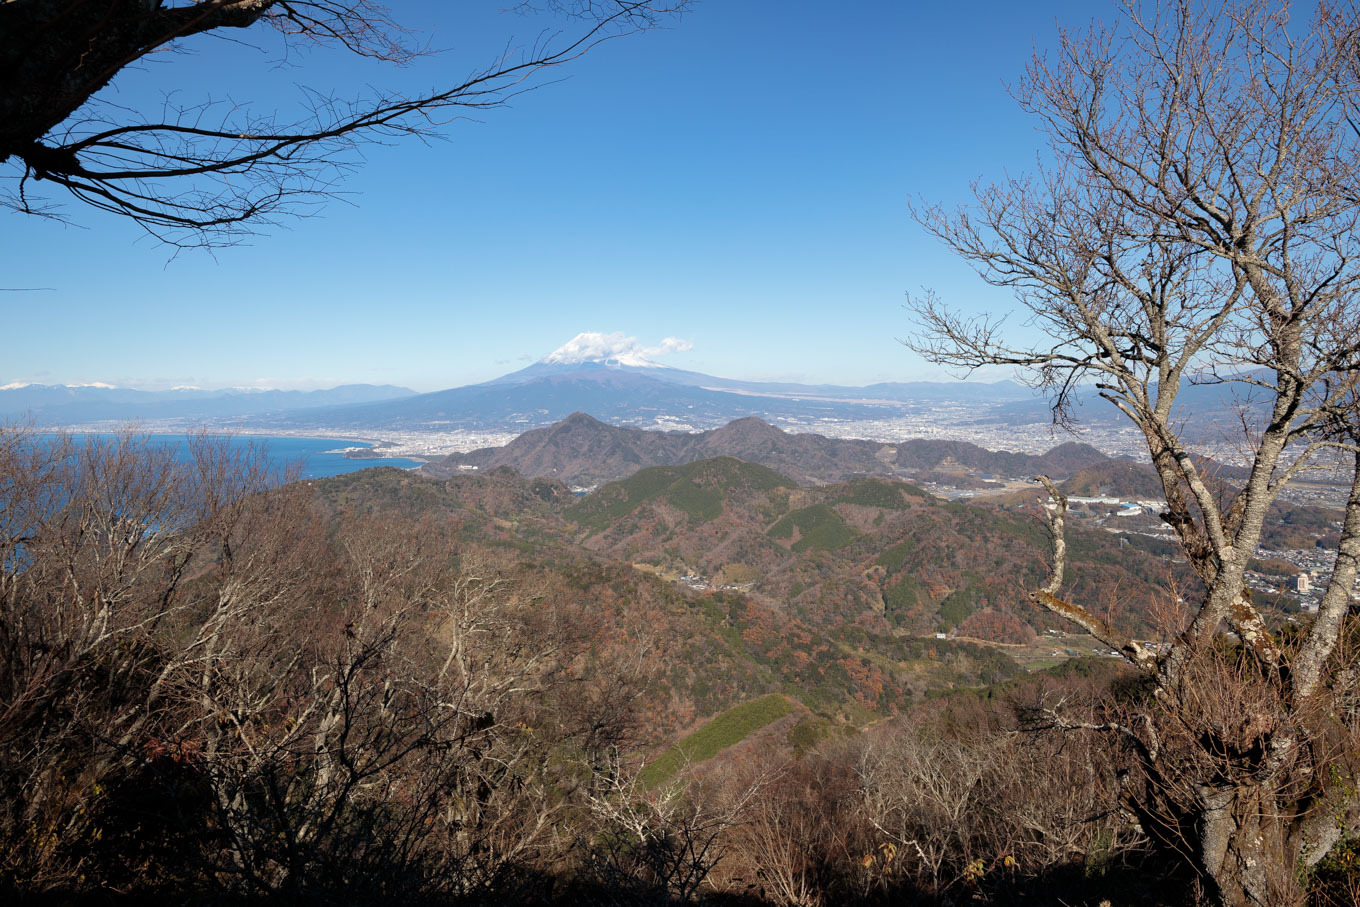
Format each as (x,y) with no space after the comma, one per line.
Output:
(206,683)
(659,845)
(803,835)
(950,806)
(923,796)
(1195,221)
(206,172)
(97,541)
(389,751)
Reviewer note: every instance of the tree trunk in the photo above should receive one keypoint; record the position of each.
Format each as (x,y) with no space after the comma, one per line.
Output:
(1247,848)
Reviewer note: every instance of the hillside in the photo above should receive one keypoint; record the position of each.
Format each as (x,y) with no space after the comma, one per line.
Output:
(1063,460)
(743,583)
(1121,479)
(713,648)
(701,491)
(877,552)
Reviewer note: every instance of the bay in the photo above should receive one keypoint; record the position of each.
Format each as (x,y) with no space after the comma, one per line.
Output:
(320,458)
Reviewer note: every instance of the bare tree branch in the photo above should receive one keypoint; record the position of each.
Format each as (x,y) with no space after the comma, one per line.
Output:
(210,173)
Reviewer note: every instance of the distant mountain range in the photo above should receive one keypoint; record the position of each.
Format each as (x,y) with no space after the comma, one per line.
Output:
(619,390)
(59,405)
(1209,409)
(640,395)
(582,450)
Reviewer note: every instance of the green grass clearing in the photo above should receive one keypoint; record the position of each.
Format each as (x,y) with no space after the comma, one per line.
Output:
(727,729)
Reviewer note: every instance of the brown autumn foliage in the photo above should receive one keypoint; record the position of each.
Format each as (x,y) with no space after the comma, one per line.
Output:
(970,799)
(997,626)
(211,688)
(206,688)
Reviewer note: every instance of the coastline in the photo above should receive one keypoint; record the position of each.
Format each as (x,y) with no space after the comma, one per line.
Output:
(408,445)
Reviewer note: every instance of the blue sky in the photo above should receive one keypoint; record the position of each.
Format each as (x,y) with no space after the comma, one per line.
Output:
(739,182)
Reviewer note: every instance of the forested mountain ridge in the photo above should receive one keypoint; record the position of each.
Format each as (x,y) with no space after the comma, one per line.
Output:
(582,450)
(713,647)
(876,551)
(880,553)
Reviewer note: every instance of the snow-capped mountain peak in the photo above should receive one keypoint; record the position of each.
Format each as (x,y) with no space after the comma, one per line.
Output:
(616,349)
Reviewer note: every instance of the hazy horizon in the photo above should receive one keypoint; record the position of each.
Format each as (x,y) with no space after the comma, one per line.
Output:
(616,346)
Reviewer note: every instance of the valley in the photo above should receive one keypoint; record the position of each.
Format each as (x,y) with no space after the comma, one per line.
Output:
(903,569)
(853,576)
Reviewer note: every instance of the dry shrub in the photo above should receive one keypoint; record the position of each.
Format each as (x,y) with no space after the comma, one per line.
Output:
(796,838)
(203,686)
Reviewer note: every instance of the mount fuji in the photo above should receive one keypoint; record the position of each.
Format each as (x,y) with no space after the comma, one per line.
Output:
(627,388)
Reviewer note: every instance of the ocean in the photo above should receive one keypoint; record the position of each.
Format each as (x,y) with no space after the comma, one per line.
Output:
(320,457)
